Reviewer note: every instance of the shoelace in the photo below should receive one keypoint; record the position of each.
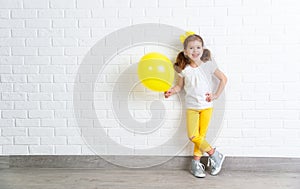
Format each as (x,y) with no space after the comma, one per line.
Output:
(211,162)
(200,165)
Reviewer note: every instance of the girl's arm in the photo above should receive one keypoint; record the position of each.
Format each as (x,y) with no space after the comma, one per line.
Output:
(223,80)
(176,88)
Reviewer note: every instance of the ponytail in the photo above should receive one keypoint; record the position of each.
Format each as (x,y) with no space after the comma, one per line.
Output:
(181,62)
(206,56)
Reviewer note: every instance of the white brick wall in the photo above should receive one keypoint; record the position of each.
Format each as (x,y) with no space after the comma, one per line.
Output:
(42,44)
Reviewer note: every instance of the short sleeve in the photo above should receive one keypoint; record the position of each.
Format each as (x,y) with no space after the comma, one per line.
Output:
(213,66)
(179,71)
(180,74)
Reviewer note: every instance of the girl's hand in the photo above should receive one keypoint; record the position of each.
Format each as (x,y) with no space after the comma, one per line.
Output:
(169,93)
(210,97)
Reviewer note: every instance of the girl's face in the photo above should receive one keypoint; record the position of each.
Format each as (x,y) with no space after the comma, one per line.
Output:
(194,50)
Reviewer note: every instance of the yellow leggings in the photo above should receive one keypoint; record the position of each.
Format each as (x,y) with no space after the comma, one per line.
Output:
(197,125)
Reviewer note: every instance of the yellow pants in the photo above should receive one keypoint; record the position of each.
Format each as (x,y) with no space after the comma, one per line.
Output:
(197,125)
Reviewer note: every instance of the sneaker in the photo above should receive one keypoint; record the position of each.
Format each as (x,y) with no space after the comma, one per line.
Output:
(215,162)
(197,169)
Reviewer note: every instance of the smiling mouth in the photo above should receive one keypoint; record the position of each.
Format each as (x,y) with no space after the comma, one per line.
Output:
(195,55)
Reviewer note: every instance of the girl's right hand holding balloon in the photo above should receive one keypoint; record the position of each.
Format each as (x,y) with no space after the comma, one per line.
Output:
(169,93)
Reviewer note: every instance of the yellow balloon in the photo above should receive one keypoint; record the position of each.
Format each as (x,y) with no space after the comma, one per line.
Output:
(156,72)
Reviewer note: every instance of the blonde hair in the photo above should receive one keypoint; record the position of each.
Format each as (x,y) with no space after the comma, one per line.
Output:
(182,60)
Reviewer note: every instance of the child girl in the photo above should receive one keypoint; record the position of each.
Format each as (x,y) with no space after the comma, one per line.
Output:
(195,69)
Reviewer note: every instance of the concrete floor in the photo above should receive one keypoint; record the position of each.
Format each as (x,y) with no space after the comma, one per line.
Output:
(33,178)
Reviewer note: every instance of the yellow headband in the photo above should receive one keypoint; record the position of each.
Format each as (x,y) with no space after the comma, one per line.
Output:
(184,36)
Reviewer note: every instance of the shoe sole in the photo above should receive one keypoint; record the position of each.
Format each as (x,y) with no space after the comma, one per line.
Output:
(198,176)
(221,164)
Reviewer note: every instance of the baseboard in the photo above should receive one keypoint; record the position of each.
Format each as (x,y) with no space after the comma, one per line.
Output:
(178,162)
(4,162)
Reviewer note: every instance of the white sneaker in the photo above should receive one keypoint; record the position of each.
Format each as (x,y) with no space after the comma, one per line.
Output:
(197,169)
(215,161)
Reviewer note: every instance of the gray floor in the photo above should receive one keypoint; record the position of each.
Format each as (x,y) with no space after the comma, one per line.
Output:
(34,178)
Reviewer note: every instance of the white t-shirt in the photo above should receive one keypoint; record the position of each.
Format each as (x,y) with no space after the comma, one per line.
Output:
(198,82)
